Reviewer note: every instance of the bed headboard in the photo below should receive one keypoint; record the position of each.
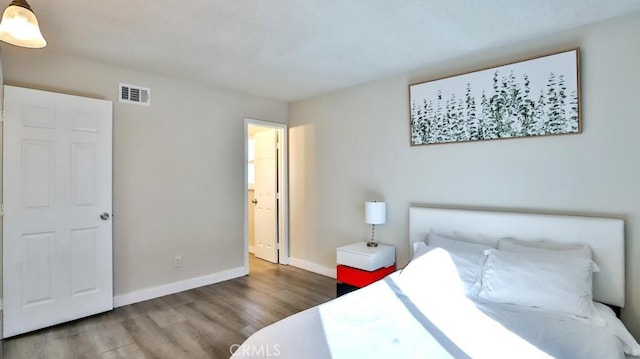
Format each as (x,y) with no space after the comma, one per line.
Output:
(605,236)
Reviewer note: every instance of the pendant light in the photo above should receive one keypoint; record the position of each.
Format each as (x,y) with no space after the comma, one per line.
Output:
(19,26)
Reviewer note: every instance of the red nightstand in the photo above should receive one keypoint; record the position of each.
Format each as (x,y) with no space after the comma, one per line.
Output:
(359,265)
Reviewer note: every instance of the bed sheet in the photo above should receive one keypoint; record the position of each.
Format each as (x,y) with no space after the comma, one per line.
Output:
(423,312)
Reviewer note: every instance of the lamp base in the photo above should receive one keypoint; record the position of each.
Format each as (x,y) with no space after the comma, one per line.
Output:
(372,244)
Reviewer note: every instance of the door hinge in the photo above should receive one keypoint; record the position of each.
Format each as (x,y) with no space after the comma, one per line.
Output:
(1,116)
(1,210)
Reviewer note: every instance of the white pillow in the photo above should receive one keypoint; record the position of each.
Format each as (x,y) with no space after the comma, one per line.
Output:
(433,270)
(453,245)
(514,245)
(420,248)
(468,257)
(551,282)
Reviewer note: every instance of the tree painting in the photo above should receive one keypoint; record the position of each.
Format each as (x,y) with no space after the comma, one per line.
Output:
(530,98)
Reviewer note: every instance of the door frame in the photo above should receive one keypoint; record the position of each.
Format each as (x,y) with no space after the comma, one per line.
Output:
(283,192)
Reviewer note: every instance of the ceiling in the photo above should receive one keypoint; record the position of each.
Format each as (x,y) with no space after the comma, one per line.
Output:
(293,49)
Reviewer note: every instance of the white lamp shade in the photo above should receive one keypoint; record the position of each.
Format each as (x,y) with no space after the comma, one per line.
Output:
(19,26)
(375,212)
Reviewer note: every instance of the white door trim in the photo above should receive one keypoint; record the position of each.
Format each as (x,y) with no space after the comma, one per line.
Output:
(283,185)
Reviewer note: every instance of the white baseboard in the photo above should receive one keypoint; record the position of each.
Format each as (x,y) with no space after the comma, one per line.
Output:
(312,267)
(175,287)
(252,249)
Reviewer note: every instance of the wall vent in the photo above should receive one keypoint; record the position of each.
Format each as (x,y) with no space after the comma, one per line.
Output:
(135,94)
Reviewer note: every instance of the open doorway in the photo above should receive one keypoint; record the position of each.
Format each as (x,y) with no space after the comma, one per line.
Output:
(266,210)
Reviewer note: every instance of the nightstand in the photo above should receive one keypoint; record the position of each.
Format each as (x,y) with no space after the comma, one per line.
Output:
(359,265)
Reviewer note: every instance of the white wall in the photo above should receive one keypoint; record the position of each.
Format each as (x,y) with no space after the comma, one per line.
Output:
(353,145)
(178,170)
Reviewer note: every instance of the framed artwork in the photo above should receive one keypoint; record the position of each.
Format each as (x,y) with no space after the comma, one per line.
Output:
(536,97)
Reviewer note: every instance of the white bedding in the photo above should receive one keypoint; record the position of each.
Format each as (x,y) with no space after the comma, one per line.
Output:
(423,311)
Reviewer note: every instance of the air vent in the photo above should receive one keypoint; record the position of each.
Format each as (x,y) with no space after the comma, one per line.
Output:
(135,94)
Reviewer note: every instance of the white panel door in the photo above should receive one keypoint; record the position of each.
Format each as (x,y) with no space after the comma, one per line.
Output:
(57,230)
(265,188)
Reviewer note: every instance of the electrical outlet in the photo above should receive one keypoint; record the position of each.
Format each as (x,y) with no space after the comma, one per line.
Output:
(177,262)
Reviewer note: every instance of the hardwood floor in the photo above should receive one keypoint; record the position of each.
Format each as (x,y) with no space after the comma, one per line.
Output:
(200,323)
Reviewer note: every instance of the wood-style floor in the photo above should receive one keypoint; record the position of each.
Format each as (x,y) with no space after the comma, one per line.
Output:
(200,323)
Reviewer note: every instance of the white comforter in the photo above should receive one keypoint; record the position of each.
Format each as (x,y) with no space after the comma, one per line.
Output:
(423,312)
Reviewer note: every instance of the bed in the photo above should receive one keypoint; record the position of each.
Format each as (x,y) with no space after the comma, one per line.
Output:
(480,284)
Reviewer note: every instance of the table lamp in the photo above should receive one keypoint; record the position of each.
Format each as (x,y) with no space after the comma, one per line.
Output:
(374,213)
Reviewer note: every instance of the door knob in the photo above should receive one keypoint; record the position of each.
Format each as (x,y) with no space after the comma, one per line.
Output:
(254,201)
(104,216)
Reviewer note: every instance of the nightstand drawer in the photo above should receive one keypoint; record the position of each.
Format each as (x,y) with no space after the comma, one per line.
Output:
(361,278)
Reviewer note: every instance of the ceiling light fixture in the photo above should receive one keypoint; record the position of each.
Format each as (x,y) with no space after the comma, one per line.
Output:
(19,26)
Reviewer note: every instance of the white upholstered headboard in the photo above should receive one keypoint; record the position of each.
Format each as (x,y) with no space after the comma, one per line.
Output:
(605,236)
